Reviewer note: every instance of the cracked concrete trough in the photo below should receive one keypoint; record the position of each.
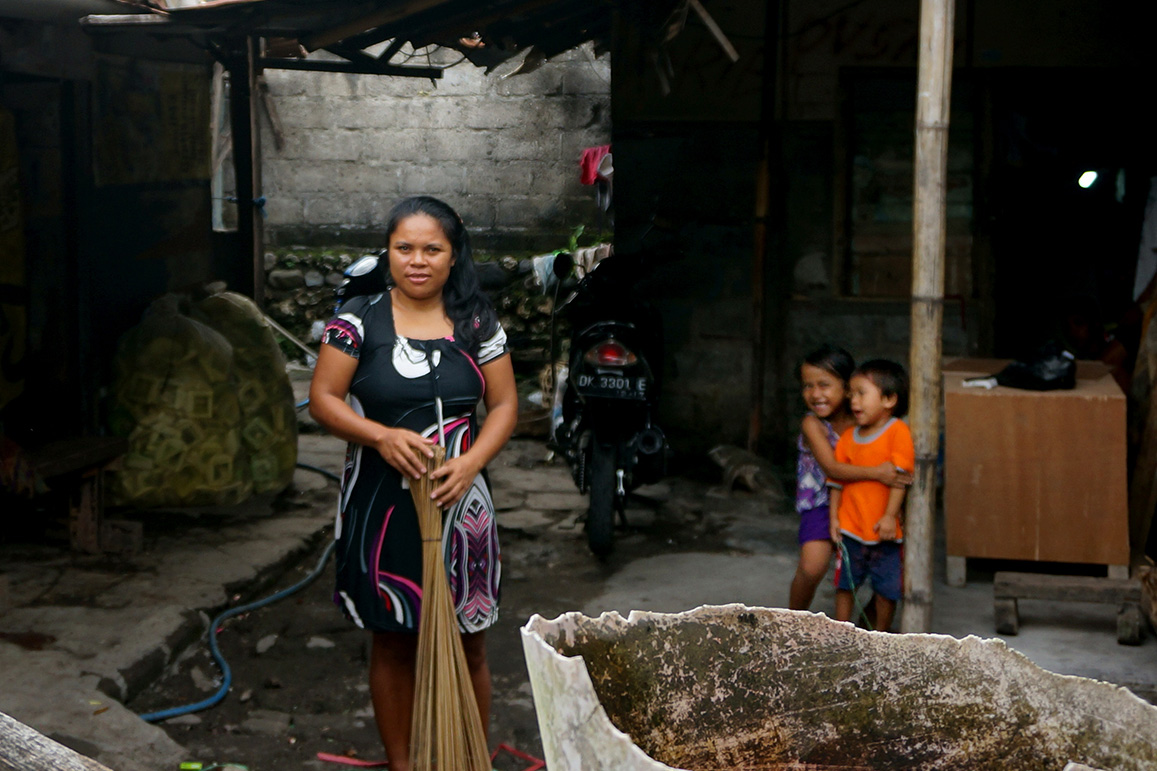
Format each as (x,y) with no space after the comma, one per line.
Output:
(738,687)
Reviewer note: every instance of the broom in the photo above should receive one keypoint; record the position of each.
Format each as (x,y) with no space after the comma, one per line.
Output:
(447,728)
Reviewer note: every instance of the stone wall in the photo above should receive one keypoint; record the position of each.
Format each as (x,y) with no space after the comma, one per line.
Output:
(502,149)
(300,295)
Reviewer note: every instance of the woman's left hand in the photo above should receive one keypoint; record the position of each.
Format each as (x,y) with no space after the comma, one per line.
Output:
(455,477)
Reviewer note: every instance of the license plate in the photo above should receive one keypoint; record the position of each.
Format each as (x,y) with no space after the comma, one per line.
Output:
(611,385)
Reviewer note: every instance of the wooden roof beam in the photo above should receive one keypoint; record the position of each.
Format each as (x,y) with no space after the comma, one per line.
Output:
(369,66)
(377,19)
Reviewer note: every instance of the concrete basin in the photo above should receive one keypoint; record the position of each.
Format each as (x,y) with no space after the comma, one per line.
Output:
(736,687)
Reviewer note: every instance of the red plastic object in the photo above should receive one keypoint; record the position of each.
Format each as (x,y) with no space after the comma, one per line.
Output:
(535,763)
(345,760)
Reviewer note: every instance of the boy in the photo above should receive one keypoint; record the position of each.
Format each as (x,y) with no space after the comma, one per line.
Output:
(865,516)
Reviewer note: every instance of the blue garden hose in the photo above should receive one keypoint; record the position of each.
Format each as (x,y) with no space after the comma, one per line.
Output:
(153,717)
(846,559)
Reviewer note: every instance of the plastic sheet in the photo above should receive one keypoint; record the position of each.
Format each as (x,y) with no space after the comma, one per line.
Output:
(205,402)
(175,399)
(268,422)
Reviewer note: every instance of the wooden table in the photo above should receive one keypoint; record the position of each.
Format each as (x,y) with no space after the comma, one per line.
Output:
(1039,476)
(75,467)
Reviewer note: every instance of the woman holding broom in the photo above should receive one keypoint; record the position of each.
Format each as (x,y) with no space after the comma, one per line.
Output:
(414,362)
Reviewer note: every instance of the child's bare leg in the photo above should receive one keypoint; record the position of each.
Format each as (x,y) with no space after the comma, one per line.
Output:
(814,558)
(844,601)
(885,610)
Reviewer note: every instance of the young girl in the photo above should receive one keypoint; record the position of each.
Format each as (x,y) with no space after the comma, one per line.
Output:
(824,376)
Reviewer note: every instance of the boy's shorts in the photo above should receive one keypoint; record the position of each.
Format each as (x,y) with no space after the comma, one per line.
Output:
(882,562)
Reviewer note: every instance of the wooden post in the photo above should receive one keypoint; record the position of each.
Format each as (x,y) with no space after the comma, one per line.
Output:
(934,86)
(219,150)
(768,227)
(758,309)
(247,164)
(25,749)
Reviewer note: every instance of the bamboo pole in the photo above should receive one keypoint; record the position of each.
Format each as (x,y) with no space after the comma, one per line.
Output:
(934,87)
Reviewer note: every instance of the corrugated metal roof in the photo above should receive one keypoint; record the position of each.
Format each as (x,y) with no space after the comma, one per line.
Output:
(58,10)
(486,31)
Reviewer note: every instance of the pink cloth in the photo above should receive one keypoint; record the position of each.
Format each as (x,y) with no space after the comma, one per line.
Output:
(589,163)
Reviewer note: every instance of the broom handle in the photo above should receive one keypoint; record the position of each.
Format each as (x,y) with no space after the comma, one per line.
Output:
(428,348)
(441,422)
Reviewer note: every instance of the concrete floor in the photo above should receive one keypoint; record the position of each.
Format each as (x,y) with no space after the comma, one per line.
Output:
(108,628)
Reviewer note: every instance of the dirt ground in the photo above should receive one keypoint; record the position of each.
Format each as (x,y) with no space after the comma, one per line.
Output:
(299,684)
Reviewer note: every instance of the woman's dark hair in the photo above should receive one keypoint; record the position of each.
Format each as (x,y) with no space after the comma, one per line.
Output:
(834,360)
(466,304)
(890,377)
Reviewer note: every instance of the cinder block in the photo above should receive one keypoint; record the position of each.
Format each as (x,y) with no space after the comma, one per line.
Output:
(344,209)
(284,84)
(515,211)
(282,210)
(589,78)
(388,145)
(462,81)
(495,113)
(444,180)
(386,86)
(330,84)
(316,177)
(478,212)
(545,80)
(459,145)
(304,112)
(449,113)
(350,114)
(501,180)
(514,148)
(326,144)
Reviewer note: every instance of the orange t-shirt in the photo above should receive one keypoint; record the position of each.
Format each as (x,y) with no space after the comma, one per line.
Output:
(862,504)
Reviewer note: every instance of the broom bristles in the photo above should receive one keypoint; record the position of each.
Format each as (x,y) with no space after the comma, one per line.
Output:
(447,728)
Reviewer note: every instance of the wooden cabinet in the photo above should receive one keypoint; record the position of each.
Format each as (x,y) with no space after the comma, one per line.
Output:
(1031,475)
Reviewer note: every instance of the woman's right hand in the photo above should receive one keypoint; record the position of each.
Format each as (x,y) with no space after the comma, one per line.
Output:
(400,447)
(892,476)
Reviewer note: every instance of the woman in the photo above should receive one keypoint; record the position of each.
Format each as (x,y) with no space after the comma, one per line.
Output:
(414,362)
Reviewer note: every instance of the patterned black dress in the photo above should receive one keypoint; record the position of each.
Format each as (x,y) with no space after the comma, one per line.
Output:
(378,554)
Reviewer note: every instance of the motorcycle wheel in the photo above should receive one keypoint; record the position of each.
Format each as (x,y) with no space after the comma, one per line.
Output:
(601,516)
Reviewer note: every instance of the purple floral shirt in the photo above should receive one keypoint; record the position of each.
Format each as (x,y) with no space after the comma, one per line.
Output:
(811,488)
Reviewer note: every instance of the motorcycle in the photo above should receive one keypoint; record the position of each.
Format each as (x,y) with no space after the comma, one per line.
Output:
(607,396)
(366,275)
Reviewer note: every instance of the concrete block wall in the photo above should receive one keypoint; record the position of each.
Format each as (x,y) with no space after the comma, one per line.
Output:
(504,151)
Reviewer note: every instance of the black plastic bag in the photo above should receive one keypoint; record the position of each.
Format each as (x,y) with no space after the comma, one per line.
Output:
(1049,368)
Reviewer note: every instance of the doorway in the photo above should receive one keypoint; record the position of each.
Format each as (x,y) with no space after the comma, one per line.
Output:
(1072,154)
